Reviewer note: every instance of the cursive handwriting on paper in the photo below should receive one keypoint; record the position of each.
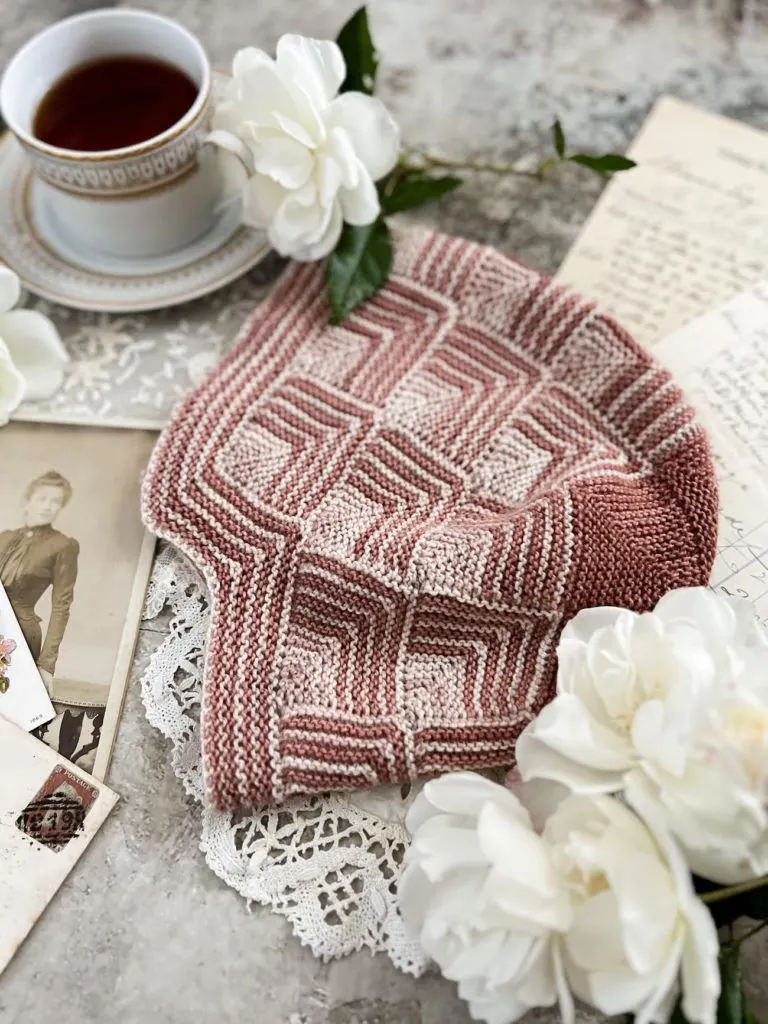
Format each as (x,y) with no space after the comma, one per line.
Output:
(684,231)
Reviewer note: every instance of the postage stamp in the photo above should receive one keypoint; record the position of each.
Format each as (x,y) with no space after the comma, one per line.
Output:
(57,812)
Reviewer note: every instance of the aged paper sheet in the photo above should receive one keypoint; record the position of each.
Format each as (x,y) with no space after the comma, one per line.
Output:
(682,232)
(49,812)
(741,566)
(721,361)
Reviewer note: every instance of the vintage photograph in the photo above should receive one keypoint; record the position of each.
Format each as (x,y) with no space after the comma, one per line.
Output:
(74,563)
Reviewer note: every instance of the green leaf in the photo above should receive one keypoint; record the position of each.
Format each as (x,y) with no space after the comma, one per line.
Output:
(359,54)
(749,1017)
(559,139)
(415,188)
(730,1007)
(603,164)
(358,266)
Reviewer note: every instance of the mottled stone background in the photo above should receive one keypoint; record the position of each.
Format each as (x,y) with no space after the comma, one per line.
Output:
(143,932)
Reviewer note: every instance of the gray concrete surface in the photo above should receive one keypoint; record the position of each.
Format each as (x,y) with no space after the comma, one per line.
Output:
(143,932)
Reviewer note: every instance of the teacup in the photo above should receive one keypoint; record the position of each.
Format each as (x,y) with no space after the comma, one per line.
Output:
(143,200)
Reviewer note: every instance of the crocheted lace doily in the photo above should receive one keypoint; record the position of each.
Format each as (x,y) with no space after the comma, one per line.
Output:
(330,863)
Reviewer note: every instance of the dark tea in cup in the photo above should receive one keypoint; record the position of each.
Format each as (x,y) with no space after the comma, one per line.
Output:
(112,103)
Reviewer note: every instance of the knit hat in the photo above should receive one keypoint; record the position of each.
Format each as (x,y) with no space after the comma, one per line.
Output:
(396,516)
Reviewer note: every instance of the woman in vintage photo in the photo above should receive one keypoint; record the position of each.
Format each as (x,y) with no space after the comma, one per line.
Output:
(35,558)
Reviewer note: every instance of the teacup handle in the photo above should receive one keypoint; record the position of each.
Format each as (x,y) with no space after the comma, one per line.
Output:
(226,140)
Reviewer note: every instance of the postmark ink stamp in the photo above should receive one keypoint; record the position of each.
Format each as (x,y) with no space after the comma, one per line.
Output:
(57,812)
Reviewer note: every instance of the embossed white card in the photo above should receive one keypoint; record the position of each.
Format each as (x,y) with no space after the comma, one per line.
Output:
(49,812)
(23,697)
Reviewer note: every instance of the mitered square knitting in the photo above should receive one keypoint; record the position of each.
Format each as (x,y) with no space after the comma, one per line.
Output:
(396,516)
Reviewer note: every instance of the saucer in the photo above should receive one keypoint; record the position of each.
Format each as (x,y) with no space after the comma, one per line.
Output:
(54,266)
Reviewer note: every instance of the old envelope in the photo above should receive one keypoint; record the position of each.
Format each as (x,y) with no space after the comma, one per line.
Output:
(23,697)
(49,812)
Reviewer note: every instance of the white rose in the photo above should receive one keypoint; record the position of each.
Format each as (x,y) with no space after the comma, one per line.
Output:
(639,933)
(32,357)
(633,688)
(678,696)
(480,892)
(315,154)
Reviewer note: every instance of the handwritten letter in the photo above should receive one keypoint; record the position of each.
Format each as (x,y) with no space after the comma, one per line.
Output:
(684,231)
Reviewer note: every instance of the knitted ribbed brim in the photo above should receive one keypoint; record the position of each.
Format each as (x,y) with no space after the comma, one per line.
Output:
(397,516)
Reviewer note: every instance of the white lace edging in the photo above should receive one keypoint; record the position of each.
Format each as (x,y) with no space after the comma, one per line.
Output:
(329,863)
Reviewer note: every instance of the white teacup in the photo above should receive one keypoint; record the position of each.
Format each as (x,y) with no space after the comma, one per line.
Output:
(143,200)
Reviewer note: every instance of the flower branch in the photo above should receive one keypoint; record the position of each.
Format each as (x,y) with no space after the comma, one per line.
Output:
(719,895)
(420,160)
(321,165)
(610,163)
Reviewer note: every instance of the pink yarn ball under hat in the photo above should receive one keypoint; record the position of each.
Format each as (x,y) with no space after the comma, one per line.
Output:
(396,516)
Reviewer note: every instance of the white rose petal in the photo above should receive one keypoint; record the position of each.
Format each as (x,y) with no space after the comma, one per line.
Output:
(700,971)
(298,220)
(294,130)
(257,91)
(329,175)
(286,161)
(262,198)
(323,241)
(250,58)
(536,982)
(371,128)
(297,139)
(360,205)
(317,65)
(36,349)
(12,385)
(340,149)
(567,744)
(10,289)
